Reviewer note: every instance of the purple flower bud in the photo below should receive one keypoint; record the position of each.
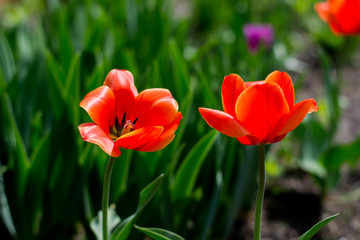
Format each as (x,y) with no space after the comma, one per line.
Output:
(256,34)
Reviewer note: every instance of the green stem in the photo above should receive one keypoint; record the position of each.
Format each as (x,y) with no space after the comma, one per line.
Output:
(105,199)
(260,193)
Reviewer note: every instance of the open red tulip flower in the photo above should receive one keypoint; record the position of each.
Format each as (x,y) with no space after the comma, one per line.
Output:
(125,119)
(343,16)
(261,112)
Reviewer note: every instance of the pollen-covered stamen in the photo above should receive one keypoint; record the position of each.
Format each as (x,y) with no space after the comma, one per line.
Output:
(117,126)
(123,119)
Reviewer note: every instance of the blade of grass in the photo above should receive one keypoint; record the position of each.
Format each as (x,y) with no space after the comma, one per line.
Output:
(189,169)
(309,234)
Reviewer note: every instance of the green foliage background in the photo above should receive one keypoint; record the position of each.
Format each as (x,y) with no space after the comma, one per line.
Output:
(54,52)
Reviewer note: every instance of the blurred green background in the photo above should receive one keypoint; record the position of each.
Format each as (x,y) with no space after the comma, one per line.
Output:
(54,52)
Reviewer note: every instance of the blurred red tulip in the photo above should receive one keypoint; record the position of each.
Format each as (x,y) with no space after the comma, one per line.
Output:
(343,16)
(261,112)
(125,119)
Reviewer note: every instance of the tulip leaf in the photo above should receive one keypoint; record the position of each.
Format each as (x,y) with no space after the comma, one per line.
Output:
(189,169)
(2,82)
(335,156)
(6,58)
(120,175)
(96,223)
(159,234)
(124,229)
(211,100)
(310,233)
(5,213)
(56,87)
(219,182)
(71,92)
(18,158)
(181,71)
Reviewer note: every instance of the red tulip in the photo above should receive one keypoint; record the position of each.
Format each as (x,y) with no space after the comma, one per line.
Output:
(125,119)
(343,16)
(260,112)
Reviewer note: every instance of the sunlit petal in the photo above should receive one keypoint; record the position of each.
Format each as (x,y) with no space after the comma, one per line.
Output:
(223,122)
(249,84)
(165,137)
(284,81)
(122,84)
(231,88)
(139,137)
(90,132)
(100,105)
(298,113)
(154,107)
(260,107)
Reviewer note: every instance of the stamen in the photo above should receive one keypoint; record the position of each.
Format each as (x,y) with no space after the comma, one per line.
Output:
(117,126)
(123,119)
(116,122)
(135,121)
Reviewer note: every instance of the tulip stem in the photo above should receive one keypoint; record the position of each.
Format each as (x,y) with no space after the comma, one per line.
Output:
(260,192)
(105,199)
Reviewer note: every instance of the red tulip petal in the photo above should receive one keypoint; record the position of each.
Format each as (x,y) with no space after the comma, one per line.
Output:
(90,132)
(223,122)
(231,88)
(260,107)
(248,140)
(345,16)
(122,84)
(284,81)
(342,16)
(100,105)
(249,84)
(138,137)
(278,138)
(322,10)
(298,113)
(165,138)
(154,107)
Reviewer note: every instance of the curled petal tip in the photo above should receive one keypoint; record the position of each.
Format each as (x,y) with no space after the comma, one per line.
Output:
(313,107)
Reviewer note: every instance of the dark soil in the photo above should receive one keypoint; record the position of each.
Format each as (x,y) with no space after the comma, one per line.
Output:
(294,206)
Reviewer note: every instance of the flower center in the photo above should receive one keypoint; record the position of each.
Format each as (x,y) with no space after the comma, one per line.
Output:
(118,130)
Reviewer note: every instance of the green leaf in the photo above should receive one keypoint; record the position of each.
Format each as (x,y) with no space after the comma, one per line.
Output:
(39,158)
(71,92)
(6,58)
(148,193)
(2,82)
(124,229)
(96,223)
(335,156)
(120,175)
(185,107)
(180,68)
(309,234)
(211,100)
(189,170)
(56,86)
(5,213)
(159,234)
(18,158)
